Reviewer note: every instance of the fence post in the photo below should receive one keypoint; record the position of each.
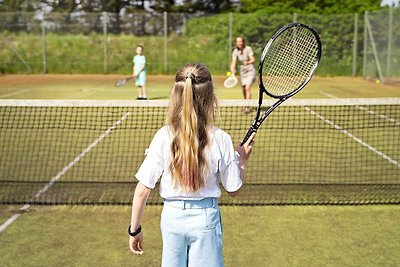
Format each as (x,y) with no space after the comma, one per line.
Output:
(105,64)
(294,17)
(373,45)
(165,43)
(184,24)
(365,46)
(230,30)
(44,50)
(355,45)
(389,48)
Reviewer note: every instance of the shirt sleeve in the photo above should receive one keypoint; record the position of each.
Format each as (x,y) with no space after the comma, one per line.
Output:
(152,167)
(229,166)
(234,53)
(250,52)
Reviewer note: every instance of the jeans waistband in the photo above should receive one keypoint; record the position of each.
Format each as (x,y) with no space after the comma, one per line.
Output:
(191,204)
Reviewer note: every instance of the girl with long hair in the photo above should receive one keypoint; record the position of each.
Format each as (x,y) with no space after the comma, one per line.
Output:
(192,157)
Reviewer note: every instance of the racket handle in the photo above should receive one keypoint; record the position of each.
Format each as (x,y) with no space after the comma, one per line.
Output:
(249,133)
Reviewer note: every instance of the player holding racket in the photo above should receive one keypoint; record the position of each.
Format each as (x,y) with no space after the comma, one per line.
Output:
(139,72)
(244,54)
(191,156)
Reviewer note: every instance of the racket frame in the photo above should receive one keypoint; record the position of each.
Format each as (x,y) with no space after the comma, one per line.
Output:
(123,81)
(231,78)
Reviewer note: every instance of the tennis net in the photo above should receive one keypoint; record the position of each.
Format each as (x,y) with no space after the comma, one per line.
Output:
(333,151)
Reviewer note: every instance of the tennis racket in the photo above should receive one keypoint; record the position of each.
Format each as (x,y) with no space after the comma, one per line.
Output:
(231,81)
(122,82)
(287,64)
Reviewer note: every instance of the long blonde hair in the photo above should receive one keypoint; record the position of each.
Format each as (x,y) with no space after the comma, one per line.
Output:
(190,114)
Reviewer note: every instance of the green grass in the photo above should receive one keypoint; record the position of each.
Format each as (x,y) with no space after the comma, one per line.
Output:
(260,236)
(102,87)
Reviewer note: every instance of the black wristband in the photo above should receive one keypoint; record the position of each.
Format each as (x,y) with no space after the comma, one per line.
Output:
(137,231)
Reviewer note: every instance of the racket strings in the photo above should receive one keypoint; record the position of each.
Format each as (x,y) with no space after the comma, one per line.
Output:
(230,82)
(285,71)
(291,59)
(290,51)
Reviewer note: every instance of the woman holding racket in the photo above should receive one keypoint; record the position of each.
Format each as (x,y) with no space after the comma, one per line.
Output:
(191,156)
(244,54)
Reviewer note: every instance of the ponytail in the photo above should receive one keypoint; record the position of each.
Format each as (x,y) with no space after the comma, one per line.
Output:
(190,114)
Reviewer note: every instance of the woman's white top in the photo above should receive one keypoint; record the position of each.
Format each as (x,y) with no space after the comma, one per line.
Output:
(222,161)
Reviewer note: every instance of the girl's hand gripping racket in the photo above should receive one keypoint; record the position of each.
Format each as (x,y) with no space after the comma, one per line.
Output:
(287,64)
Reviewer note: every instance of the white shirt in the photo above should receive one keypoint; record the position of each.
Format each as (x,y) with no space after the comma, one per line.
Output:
(222,161)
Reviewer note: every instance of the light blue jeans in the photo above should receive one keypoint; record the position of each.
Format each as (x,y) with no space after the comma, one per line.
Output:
(192,233)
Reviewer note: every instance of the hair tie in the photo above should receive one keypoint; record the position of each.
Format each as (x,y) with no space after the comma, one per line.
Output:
(190,75)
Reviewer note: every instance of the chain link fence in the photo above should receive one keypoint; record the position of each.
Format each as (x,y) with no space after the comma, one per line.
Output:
(382,46)
(105,42)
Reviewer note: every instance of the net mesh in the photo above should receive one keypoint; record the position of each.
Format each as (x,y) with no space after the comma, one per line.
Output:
(290,60)
(307,152)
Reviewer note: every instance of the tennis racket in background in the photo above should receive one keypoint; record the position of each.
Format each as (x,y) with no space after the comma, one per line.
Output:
(231,81)
(122,82)
(287,64)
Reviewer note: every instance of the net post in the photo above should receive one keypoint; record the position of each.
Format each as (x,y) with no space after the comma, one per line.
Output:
(165,17)
(44,50)
(355,45)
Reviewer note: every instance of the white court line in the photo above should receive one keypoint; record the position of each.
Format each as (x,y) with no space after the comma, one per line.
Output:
(328,95)
(64,170)
(15,93)
(9,222)
(396,122)
(355,138)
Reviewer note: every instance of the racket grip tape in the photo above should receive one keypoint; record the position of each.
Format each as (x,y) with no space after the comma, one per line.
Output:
(249,133)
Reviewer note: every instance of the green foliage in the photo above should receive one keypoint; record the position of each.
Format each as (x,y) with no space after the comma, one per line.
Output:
(336,31)
(16,5)
(204,39)
(85,53)
(305,6)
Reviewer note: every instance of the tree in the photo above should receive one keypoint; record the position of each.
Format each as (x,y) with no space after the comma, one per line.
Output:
(17,5)
(312,6)
(191,6)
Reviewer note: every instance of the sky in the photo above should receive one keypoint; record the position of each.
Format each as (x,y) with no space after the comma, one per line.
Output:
(389,2)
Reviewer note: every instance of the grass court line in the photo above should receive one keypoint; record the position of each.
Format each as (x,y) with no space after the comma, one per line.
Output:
(328,95)
(355,138)
(64,170)
(15,93)
(396,122)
